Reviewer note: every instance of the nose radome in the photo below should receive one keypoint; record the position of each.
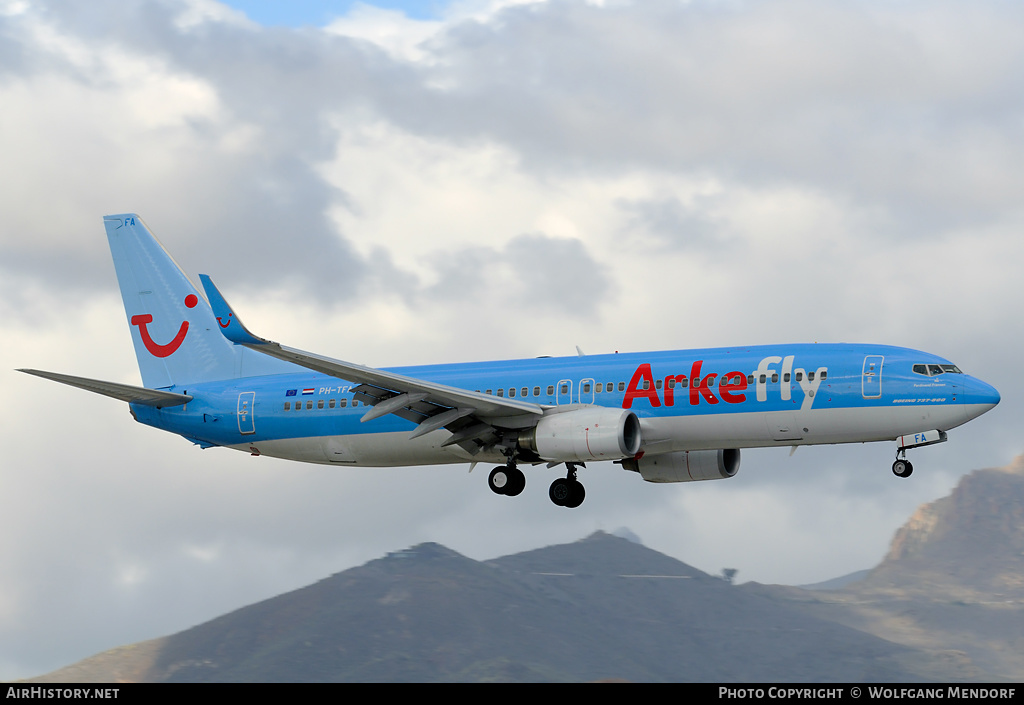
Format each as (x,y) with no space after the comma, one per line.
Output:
(979,397)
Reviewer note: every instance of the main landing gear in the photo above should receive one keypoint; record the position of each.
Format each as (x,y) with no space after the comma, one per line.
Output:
(507,480)
(567,491)
(510,481)
(902,467)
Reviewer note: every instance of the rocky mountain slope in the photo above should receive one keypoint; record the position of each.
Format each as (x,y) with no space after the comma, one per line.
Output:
(946,603)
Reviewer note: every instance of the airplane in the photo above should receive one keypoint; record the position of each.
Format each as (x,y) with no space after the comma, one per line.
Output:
(671,416)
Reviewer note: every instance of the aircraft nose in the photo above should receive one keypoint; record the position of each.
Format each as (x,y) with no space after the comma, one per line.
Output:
(979,397)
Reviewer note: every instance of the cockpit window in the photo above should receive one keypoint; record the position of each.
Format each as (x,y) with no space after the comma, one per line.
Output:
(932,370)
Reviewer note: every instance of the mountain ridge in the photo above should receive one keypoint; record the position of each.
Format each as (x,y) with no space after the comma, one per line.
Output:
(604,607)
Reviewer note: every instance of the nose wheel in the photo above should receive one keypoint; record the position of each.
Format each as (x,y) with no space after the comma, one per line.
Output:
(902,467)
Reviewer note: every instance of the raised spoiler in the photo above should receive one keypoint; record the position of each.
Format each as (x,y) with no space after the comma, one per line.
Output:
(467,414)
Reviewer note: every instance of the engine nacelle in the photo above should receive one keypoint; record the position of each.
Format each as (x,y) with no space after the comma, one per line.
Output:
(592,433)
(686,465)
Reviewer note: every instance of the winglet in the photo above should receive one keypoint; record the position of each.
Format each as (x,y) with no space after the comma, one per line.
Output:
(230,325)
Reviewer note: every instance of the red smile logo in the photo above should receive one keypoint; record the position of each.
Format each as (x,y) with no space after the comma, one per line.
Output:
(154,347)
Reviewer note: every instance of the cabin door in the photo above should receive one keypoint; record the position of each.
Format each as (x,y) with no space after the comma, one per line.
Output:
(246,422)
(586,391)
(564,392)
(871,377)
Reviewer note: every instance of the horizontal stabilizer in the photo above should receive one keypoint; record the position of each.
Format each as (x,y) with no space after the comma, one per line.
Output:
(124,392)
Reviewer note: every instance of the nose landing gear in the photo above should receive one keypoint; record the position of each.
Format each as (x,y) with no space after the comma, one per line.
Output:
(902,467)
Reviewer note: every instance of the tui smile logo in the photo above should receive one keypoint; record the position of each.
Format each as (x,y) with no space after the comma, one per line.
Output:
(155,348)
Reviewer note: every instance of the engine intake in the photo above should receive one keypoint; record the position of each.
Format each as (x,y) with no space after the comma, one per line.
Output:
(593,433)
(686,465)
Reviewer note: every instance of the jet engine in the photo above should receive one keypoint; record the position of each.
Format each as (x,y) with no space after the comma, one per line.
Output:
(593,433)
(686,465)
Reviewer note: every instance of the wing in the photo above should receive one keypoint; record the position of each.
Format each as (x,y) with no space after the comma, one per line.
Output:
(124,392)
(471,417)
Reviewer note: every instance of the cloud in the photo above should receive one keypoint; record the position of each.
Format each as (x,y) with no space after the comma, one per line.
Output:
(819,93)
(532,273)
(671,223)
(391,30)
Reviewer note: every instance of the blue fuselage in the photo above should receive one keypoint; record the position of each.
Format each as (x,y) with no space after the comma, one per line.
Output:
(685,400)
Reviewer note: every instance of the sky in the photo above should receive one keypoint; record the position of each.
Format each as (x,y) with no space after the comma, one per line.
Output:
(414,183)
(317,13)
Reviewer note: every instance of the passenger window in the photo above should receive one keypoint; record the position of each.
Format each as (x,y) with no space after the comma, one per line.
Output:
(750,379)
(331,403)
(799,376)
(785,377)
(670,383)
(810,376)
(287,406)
(511,392)
(775,378)
(824,374)
(586,388)
(536,391)
(343,403)
(763,379)
(524,392)
(647,384)
(609,386)
(320,404)
(309,404)
(551,389)
(501,393)
(657,384)
(488,391)
(622,386)
(564,389)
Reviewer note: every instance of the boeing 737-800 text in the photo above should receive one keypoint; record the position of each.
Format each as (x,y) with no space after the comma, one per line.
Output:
(674,416)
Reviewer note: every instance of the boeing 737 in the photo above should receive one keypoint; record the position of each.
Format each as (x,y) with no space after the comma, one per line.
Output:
(676,416)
